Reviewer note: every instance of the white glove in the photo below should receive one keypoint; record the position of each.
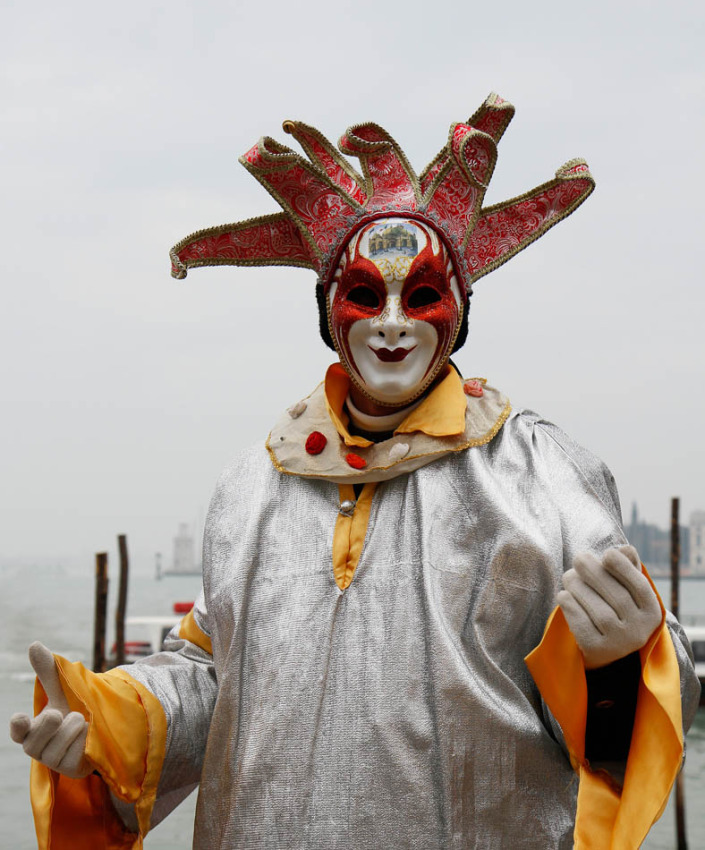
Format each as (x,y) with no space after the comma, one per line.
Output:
(56,737)
(609,605)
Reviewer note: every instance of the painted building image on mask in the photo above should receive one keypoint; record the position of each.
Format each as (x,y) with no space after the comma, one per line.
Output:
(393,239)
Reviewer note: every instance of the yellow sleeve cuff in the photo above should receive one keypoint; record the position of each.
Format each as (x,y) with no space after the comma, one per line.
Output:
(190,630)
(126,744)
(607,817)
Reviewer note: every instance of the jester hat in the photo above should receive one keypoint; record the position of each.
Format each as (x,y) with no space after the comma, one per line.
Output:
(325,200)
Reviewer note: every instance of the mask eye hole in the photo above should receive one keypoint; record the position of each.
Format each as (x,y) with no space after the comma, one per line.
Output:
(364,296)
(423,296)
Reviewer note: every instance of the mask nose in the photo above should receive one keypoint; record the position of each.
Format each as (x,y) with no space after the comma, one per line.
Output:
(393,323)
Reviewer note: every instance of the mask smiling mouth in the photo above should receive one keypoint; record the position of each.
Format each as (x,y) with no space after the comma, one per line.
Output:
(391,355)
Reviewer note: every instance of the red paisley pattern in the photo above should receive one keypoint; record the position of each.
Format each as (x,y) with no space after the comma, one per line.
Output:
(318,206)
(432,172)
(493,123)
(454,202)
(265,241)
(492,120)
(474,152)
(337,174)
(322,154)
(391,184)
(322,200)
(509,229)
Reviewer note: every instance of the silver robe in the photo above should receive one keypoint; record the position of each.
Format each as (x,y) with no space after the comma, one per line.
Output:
(398,713)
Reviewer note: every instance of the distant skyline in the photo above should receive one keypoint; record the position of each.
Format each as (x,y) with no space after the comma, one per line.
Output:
(125,392)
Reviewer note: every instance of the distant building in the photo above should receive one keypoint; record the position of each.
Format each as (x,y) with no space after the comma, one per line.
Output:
(697,543)
(184,552)
(654,544)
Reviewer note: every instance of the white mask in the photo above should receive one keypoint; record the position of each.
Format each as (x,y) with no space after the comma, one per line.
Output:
(395,308)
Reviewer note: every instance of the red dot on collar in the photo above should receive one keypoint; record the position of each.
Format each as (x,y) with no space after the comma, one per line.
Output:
(355,461)
(315,442)
(473,388)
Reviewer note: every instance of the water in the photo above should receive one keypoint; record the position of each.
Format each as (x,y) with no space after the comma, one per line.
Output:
(55,606)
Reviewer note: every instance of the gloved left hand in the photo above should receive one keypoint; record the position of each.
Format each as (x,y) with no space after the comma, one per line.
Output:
(56,737)
(609,605)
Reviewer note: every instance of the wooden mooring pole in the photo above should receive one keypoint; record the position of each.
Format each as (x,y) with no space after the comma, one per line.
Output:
(101,608)
(675,588)
(122,602)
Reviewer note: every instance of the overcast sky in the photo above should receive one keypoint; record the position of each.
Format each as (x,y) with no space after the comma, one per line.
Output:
(124,392)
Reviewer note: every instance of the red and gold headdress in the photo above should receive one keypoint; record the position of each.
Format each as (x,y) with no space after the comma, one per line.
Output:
(325,200)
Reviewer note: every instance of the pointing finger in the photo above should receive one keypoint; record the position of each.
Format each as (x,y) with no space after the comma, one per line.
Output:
(44,666)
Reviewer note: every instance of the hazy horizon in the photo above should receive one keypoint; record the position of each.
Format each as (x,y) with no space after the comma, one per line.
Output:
(125,392)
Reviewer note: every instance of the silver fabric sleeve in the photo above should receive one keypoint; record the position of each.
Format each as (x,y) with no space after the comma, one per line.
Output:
(182,677)
(690,684)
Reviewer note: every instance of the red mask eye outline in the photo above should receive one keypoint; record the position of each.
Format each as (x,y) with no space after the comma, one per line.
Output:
(362,292)
(422,297)
(427,277)
(361,273)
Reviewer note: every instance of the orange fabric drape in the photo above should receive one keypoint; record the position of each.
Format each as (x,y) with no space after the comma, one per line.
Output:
(126,743)
(607,818)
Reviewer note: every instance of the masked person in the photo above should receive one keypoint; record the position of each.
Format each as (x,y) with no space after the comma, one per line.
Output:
(377,659)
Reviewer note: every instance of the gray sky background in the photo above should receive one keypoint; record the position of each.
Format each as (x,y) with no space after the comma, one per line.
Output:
(124,392)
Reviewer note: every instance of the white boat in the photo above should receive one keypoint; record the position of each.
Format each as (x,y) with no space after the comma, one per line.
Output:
(696,636)
(146,634)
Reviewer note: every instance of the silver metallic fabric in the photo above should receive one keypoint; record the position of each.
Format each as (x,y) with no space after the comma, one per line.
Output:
(398,713)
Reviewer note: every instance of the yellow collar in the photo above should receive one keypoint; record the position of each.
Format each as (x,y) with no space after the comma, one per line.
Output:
(440,414)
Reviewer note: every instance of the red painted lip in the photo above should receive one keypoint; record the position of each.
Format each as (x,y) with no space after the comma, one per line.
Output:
(391,355)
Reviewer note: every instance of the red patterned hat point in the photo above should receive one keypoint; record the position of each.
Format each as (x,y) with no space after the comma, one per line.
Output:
(325,200)
(355,461)
(316,442)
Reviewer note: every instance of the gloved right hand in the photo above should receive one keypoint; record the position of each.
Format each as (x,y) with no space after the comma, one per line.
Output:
(56,737)
(609,605)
